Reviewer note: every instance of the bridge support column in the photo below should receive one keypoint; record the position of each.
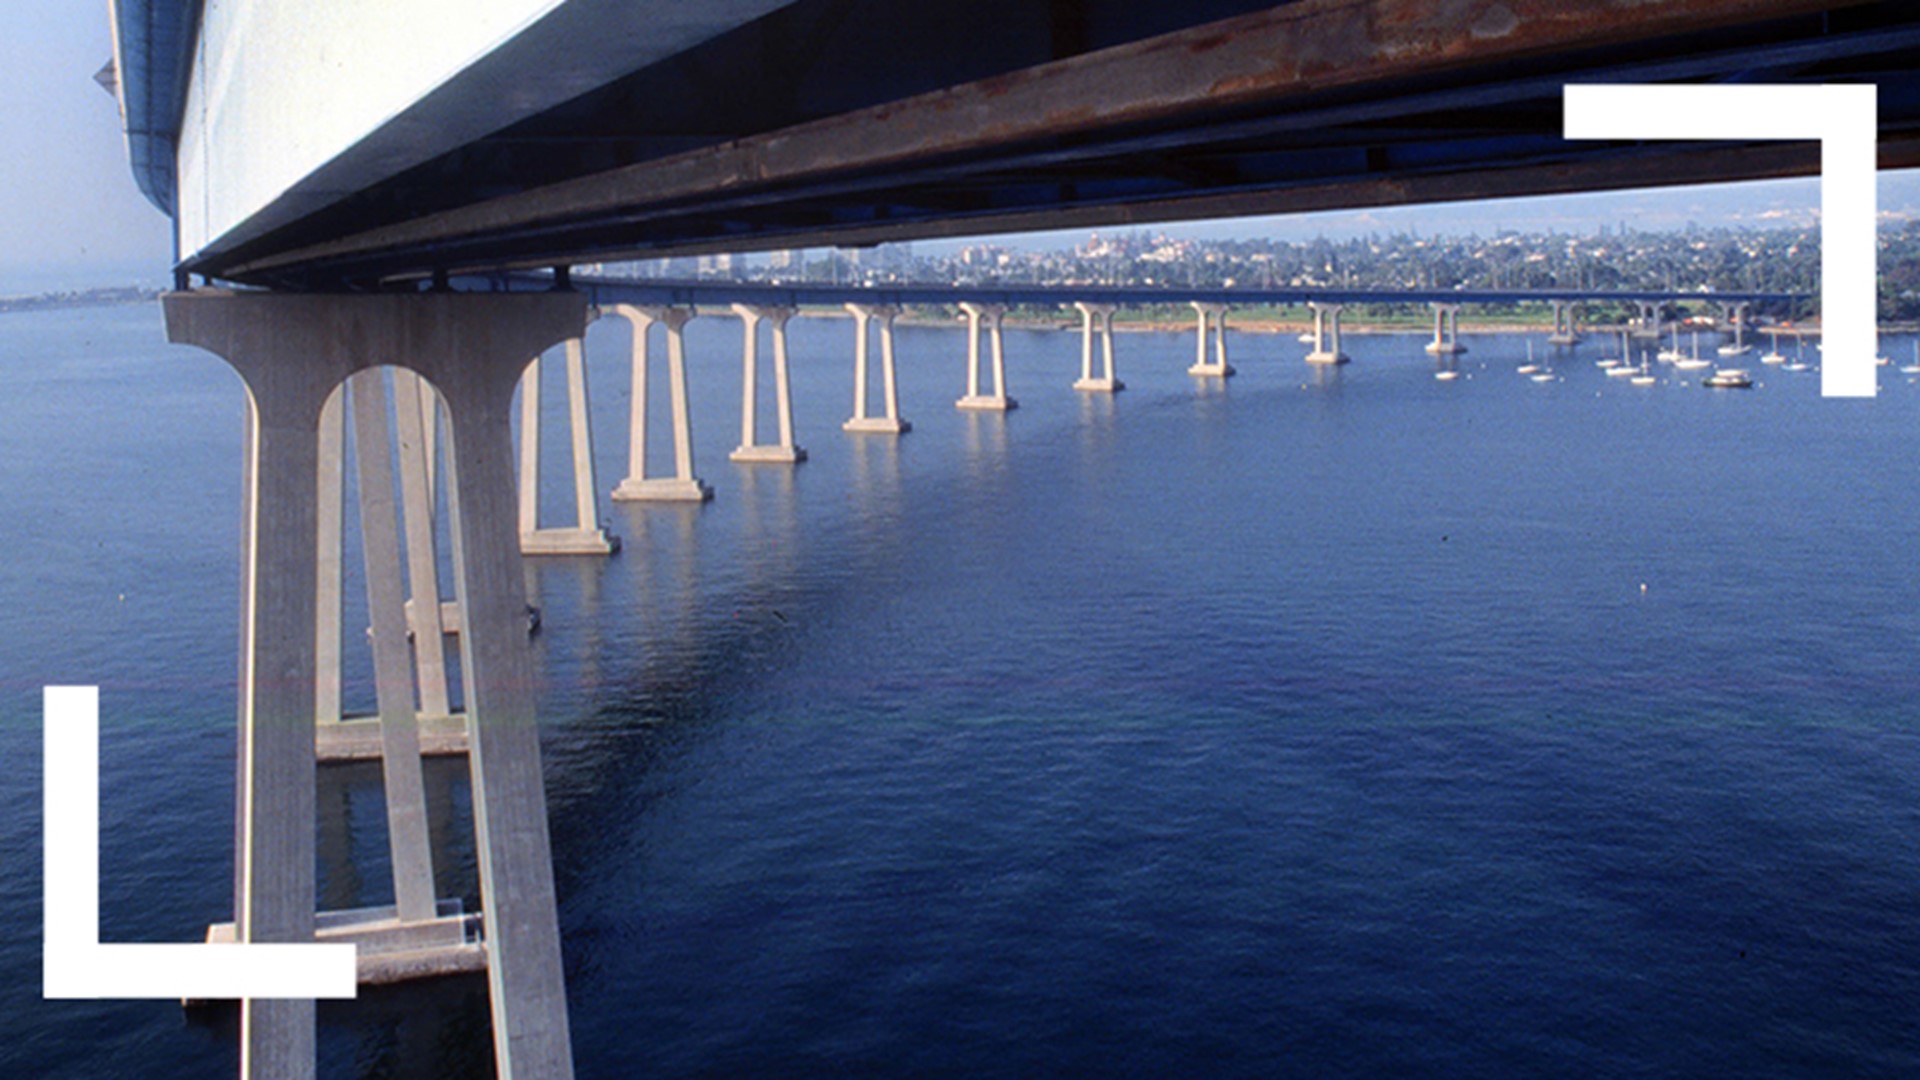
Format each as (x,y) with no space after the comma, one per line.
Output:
(1563,328)
(585,537)
(1649,321)
(415,408)
(1326,334)
(751,449)
(890,424)
(682,486)
(1216,314)
(1106,383)
(1737,316)
(327,587)
(998,401)
(411,858)
(1446,331)
(292,351)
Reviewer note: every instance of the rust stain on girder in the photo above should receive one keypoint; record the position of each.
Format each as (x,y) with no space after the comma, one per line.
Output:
(1761,161)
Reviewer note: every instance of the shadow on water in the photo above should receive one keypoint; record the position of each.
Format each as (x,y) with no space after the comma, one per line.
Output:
(353,863)
(431,1028)
(698,649)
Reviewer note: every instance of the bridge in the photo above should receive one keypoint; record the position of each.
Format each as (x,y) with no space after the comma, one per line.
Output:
(333,170)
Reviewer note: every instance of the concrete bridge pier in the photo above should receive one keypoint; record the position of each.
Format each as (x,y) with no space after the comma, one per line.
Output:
(1563,328)
(419,934)
(1106,383)
(890,424)
(1446,331)
(1216,315)
(1649,328)
(682,486)
(1326,334)
(292,351)
(998,401)
(751,450)
(584,536)
(1736,315)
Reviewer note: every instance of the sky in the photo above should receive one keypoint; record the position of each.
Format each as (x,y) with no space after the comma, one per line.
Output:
(71,217)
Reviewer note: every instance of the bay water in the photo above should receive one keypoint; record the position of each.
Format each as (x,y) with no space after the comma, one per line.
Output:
(1317,722)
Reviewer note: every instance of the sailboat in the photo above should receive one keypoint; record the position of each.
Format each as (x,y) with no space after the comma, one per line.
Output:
(1693,362)
(1645,378)
(1799,357)
(1541,373)
(1529,367)
(1737,347)
(1773,356)
(1669,355)
(1610,362)
(1622,368)
(1913,368)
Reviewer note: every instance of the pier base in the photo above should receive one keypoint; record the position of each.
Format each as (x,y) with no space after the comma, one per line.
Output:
(569,541)
(987,403)
(449,623)
(768,455)
(388,950)
(357,738)
(877,425)
(663,489)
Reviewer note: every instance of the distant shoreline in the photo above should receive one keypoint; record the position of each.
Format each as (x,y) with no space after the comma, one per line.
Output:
(1296,326)
(131,294)
(120,294)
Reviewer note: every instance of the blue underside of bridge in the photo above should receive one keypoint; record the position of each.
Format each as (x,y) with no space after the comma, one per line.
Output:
(156,56)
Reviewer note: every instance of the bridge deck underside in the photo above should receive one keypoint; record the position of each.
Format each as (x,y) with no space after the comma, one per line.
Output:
(1315,104)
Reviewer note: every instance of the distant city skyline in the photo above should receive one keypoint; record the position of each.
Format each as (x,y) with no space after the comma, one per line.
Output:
(72,218)
(1765,204)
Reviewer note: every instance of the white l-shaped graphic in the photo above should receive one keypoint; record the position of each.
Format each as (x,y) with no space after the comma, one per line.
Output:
(74,964)
(1844,119)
